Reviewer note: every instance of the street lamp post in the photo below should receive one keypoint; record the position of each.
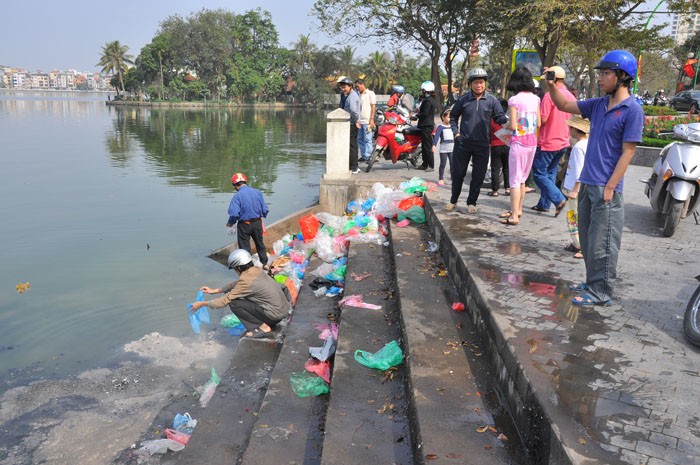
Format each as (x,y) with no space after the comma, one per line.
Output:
(639,60)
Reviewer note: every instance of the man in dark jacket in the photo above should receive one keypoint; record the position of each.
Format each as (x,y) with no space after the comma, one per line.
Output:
(472,135)
(426,124)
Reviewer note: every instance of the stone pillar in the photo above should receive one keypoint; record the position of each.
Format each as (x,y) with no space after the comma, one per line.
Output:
(337,145)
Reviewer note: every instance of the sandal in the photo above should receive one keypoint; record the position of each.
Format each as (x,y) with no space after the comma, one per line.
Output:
(507,214)
(559,208)
(586,300)
(578,287)
(508,222)
(578,255)
(507,191)
(493,194)
(572,248)
(259,334)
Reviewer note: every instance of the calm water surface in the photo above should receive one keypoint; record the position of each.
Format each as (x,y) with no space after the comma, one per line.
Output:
(109,215)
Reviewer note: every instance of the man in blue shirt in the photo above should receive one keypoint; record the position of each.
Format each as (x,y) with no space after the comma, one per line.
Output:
(616,129)
(247,209)
(350,102)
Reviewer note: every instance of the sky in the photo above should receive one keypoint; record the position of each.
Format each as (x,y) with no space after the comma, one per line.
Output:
(47,35)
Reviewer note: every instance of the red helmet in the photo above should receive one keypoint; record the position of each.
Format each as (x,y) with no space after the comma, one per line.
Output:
(239,177)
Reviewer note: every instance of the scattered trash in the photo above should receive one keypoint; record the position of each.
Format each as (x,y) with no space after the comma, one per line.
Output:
(325,352)
(415,214)
(206,392)
(200,316)
(388,356)
(360,277)
(327,330)
(458,307)
(319,368)
(305,384)
(161,446)
(432,247)
(403,223)
(22,287)
(356,301)
(232,325)
(320,292)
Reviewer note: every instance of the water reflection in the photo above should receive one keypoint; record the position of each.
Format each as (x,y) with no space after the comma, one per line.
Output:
(204,147)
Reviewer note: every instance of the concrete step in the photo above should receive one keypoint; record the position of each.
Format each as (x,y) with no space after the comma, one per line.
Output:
(367,419)
(450,386)
(289,429)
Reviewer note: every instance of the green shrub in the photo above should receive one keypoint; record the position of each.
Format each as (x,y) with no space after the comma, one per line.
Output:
(653,126)
(653,142)
(651,110)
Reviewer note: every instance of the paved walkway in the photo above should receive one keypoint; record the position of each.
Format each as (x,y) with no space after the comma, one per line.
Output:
(619,384)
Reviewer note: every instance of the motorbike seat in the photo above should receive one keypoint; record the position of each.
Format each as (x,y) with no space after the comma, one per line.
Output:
(411,130)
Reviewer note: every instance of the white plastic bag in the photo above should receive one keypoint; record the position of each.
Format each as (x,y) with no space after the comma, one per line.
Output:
(161,446)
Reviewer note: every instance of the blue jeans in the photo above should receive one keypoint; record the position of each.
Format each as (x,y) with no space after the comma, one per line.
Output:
(364,140)
(600,232)
(544,172)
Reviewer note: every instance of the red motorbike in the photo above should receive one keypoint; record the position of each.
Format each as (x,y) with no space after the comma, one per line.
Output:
(397,141)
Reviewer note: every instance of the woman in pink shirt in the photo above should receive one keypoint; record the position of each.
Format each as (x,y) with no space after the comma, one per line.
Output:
(524,114)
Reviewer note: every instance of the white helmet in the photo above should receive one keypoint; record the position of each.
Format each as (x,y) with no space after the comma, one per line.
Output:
(427,86)
(239,257)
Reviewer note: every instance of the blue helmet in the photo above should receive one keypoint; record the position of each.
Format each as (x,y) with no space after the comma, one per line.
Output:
(619,59)
(397,89)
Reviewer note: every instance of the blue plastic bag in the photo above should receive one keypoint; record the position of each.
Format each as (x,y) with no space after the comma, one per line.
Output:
(200,316)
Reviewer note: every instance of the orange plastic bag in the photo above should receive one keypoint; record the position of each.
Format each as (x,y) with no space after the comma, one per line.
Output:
(293,292)
(317,367)
(178,436)
(309,226)
(405,204)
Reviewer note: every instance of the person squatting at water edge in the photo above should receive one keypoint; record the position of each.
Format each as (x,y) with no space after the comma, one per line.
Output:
(247,209)
(616,129)
(255,298)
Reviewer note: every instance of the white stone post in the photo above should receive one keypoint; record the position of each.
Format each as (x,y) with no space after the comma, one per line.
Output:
(337,145)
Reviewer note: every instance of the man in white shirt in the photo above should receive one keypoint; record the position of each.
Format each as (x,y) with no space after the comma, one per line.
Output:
(368,105)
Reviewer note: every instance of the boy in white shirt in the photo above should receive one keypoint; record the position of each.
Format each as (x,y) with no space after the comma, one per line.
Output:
(579,128)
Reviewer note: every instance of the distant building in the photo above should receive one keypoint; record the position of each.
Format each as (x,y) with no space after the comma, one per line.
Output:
(684,26)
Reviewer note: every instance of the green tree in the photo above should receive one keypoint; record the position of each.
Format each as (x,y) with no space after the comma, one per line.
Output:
(114,59)
(346,57)
(378,72)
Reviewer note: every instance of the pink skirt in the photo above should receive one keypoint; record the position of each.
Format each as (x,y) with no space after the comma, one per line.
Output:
(519,163)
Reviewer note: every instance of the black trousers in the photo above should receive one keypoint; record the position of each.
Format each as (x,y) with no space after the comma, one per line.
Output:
(254,231)
(461,157)
(426,144)
(499,164)
(354,162)
(251,314)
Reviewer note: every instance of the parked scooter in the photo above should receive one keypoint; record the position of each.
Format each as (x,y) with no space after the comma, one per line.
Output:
(397,140)
(691,322)
(674,186)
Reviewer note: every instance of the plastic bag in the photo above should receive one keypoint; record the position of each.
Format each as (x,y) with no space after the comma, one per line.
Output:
(319,368)
(356,301)
(184,423)
(414,201)
(388,356)
(200,316)
(305,384)
(161,446)
(325,352)
(309,226)
(230,321)
(176,435)
(504,135)
(415,214)
(206,392)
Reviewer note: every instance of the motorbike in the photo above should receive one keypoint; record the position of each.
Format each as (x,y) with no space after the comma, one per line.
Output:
(660,100)
(691,321)
(674,187)
(397,140)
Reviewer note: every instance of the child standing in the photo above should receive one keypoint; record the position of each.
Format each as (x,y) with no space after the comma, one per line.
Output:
(444,136)
(524,112)
(579,128)
(499,157)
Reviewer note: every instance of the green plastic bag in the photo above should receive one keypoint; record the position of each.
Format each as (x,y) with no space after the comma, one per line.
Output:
(230,321)
(415,214)
(305,384)
(388,356)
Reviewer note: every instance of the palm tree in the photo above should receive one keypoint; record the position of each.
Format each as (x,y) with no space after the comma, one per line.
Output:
(346,56)
(400,66)
(378,72)
(114,60)
(304,48)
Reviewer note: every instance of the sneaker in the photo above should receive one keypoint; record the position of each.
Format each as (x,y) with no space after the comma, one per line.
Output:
(429,170)
(472,208)
(441,183)
(450,207)
(355,171)
(423,168)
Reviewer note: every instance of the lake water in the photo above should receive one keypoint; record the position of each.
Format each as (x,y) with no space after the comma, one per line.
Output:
(109,214)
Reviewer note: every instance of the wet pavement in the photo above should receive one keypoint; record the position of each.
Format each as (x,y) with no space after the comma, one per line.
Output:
(615,384)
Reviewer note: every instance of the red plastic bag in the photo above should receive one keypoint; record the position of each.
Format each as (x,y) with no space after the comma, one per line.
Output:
(414,201)
(317,367)
(309,226)
(178,436)
(458,307)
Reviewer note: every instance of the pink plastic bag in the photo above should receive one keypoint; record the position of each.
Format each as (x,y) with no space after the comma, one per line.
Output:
(178,436)
(322,369)
(403,223)
(356,301)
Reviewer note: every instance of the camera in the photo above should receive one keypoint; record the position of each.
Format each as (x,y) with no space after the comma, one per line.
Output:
(550,76)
